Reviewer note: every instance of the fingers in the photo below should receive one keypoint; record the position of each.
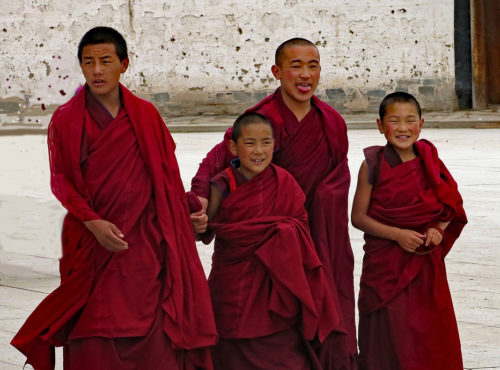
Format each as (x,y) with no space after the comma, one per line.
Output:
(116,231)
(433,237)
(199,221)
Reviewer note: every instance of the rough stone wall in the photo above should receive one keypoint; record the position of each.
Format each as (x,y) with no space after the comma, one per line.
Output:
(210,57)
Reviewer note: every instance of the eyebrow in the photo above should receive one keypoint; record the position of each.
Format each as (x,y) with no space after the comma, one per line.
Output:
(300,61)
(103,57)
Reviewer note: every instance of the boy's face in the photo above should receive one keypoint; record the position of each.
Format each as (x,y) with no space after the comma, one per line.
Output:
(102,68)
(254,148)
(299,73)
(401,126)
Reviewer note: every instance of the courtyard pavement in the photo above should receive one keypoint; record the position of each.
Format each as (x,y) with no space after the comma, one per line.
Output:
(30,223)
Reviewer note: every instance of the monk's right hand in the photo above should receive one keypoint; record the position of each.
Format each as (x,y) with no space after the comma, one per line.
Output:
(107,234)
(200,221)
(409,240)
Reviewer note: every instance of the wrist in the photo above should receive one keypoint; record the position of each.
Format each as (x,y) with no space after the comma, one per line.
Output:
(438,228)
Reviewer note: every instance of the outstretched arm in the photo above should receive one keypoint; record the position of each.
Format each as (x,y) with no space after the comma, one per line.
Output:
(216,160)
(409,240)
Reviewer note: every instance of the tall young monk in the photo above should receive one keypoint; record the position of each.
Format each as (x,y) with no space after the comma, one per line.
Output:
(311,143)
(409,207)
(133,294)
(268,288)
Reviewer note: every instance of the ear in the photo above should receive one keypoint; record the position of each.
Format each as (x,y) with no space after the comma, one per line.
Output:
(125,63)
(276,72)
(232,148)
(380,125)
(421,123)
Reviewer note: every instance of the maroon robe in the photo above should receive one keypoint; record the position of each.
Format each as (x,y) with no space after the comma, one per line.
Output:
(406,317)
(314,151)
(135,306)
(267,283)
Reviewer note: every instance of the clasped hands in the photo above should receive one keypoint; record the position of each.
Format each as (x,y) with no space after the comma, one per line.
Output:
(410,240)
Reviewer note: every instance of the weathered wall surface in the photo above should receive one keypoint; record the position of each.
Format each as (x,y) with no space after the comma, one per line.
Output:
(214,57)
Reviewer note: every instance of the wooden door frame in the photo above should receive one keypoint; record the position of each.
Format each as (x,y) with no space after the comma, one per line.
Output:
(479,62)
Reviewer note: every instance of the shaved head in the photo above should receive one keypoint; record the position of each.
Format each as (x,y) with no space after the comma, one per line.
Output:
(296,41)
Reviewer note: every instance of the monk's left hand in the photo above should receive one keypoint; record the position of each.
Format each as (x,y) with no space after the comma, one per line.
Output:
(200,221)
(432,237)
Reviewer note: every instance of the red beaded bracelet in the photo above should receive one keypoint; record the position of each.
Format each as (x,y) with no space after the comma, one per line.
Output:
(441,231)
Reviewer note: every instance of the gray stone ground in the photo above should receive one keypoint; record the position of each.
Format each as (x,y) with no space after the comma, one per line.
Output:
(30,221)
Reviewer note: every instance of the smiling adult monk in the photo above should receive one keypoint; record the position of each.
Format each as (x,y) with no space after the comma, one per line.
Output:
(133,294)
(311,143)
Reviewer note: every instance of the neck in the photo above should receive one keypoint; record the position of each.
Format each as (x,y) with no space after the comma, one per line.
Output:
(406,155)
(111,101)
(299,109)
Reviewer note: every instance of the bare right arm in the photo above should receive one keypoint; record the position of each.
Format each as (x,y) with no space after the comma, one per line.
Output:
(409,240)
(214,202)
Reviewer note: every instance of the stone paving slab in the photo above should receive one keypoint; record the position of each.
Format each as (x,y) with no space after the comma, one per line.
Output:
(30,222)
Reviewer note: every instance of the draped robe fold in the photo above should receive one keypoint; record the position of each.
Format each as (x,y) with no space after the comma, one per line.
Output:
(406,313)
(129,176)
(266,277)
(314,151)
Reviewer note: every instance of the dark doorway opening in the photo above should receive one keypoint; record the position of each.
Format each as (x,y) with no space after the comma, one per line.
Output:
(463,62)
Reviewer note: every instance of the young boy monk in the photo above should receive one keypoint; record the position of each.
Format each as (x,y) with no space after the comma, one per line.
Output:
(267,285)
(311,144)
(409,207)
(133,294)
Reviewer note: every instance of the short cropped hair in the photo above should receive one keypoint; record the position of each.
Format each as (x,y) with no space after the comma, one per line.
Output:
(104,35)
(246,119)
(296,41)
(398,97)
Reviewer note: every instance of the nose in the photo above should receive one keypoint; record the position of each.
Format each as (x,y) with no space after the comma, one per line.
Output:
(97,68)
(257,148)
(403,125)
(305,72)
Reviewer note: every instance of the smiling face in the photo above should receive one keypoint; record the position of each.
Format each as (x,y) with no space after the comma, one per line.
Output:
(299,71)
(102,69)
(401,126)
(254,148)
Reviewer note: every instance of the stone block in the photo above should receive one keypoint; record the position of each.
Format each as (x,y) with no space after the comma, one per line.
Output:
(426,90)
(9,107)
(161,97)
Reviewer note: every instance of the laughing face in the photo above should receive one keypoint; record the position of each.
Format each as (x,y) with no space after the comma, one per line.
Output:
(299,72)
(102,68)
(254,148)
(401,126)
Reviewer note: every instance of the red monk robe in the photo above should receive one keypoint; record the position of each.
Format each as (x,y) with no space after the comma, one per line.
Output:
(314,151)
(268,287)
(406,314)
(140,308)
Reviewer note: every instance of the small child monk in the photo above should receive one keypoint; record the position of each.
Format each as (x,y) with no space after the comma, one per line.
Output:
(267,285)
(409,207)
